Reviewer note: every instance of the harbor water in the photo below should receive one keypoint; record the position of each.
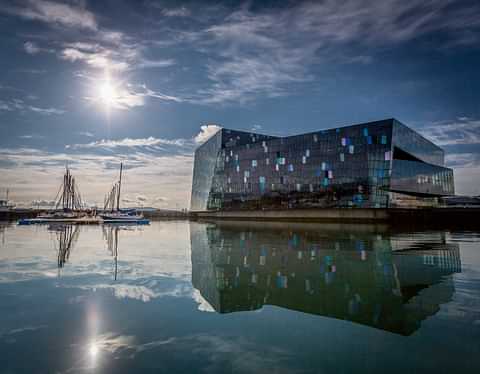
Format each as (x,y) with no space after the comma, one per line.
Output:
(236,297)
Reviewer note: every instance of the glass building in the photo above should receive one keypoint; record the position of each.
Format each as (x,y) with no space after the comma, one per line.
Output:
(371,165)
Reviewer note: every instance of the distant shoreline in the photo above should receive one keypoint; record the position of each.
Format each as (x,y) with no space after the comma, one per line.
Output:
(452,217)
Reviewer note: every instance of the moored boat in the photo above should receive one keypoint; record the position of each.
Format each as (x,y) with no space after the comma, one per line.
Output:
(69,207)
(112,212)
(85,220)
(6,205)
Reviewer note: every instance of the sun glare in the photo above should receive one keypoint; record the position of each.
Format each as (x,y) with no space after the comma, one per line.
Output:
(93,349)
(107,93)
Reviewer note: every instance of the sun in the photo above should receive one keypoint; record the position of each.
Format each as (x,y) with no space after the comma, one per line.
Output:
(107,93)
(110,93)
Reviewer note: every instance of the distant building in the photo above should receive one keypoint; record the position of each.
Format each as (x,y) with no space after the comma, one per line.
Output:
(370,165)
(461,201)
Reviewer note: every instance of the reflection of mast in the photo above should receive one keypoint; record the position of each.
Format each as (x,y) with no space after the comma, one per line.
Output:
(67,236)
(2,231)
(116,252)
(110,234)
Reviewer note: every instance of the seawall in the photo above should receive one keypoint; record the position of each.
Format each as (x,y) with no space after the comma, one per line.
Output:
(445,217)
(345,215)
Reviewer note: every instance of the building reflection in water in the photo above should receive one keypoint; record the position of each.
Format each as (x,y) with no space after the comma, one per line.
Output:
(364,274)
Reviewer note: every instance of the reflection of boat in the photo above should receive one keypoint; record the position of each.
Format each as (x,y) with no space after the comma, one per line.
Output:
(68,206)
(330,271)
(112,212)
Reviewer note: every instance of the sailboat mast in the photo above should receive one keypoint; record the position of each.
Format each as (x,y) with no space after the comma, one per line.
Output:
(64,194)
(69,191)
(119,187)
(73,193)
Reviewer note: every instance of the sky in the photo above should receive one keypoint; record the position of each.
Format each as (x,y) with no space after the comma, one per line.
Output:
(95,83)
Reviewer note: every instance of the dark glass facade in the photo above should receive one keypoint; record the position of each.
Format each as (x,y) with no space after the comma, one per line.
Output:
(353,166)
(365,275)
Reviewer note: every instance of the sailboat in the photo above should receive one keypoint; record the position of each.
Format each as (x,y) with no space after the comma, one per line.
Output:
(6,205)
(69,207)
(112,212)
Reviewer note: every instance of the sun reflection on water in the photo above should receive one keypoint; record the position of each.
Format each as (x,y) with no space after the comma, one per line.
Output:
(93,349)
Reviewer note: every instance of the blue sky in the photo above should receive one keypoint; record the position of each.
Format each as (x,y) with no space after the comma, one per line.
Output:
(93,83)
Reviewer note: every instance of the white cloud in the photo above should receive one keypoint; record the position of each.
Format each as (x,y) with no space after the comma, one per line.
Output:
(31,48)
(31,71)
(31,136)
(385,22)
(23,329)
(46,111)
(129,142)
(203,305)
(461,138)
(206,132)
(462,131)
(11,105)
(43,203)
(144,91)
(463,160)
(86,133)
(141,198)
(268,52)
(128,96)
(137,200)
(146,63)
(142,293)
(99,60)
(20,105)
(4,106)
(112,51)
(177,12)
(54,13)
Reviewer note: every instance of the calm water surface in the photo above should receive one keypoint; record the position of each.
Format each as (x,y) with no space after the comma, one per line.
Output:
(236,297)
